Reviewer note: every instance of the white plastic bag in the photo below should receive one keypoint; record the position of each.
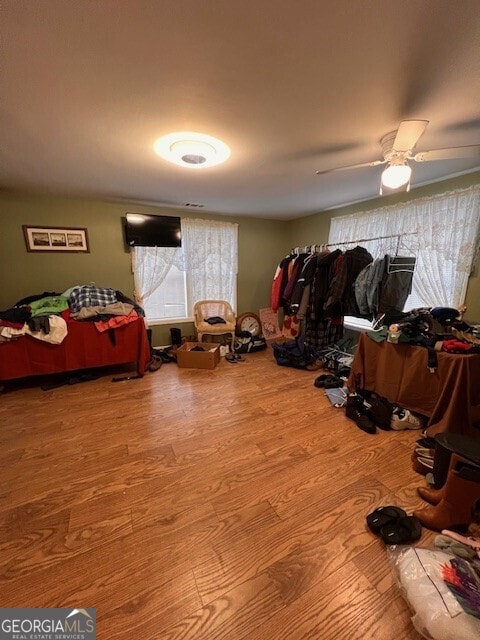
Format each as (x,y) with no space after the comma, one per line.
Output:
(438,615)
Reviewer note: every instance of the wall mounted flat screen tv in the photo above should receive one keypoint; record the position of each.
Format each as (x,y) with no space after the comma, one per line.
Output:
(145,230)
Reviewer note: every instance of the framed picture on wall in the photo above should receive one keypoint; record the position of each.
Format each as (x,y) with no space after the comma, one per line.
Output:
(66,239)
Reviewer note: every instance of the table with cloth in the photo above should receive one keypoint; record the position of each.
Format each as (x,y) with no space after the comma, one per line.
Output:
(449,395)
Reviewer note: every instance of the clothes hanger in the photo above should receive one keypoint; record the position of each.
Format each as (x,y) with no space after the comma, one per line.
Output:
(395,264)
(398,263)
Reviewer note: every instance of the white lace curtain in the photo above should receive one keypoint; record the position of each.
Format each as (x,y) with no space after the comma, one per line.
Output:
(211,259)
(209,255)
(150,266)
(441,231)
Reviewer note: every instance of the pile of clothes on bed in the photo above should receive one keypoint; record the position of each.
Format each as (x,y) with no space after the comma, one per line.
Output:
(45,316)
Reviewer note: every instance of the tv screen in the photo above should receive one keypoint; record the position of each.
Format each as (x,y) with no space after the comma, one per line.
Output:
(144,230)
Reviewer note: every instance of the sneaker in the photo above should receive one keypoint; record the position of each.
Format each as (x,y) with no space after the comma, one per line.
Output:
(404,419)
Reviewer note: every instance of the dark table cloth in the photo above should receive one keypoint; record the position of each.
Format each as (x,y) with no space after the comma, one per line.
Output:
(449,396)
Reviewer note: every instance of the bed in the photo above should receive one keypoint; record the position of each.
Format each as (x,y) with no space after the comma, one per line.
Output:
(83,348)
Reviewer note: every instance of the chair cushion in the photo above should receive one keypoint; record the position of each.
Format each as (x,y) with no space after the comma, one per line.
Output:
(205,327)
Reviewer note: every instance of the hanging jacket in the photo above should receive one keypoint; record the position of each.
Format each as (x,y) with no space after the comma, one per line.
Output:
(367,286)
(341,296)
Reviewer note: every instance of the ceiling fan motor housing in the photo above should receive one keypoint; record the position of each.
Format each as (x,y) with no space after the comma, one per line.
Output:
(390,155)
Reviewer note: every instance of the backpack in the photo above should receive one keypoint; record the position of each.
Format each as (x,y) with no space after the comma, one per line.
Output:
(294,353)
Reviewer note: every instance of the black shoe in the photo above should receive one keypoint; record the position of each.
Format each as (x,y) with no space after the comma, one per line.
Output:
(354,409)
(354,403)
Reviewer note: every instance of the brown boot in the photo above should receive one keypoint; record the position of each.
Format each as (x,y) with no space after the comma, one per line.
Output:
(433,496)
(460,494)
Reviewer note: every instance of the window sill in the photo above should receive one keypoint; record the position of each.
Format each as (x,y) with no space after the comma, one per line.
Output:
(160,321)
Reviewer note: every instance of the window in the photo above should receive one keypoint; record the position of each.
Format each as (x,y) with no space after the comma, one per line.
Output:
(169,300)
(168,281)
(441,232)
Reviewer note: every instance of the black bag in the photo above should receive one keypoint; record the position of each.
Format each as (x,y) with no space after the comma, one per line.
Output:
(246,343)
(378,408)
(294,353)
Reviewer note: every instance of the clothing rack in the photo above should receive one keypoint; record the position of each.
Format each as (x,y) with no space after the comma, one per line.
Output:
(312,248)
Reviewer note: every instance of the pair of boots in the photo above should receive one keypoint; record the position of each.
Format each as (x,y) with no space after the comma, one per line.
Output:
(454,504)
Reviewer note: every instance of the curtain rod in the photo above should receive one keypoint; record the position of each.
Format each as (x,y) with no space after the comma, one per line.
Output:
(394,235)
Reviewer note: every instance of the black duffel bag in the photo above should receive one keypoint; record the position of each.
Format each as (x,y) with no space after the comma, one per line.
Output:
(294,353)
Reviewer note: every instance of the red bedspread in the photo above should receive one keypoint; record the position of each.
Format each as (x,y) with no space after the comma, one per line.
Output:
(83,348)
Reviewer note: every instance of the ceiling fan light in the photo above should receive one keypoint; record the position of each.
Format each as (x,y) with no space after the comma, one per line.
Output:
(396,175)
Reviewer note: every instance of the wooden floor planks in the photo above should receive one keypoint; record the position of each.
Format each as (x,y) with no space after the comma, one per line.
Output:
(201,505)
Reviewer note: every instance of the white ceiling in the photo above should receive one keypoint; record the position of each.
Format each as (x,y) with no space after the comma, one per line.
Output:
(291,86)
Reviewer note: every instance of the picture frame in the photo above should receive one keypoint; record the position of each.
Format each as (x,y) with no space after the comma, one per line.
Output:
(56,239)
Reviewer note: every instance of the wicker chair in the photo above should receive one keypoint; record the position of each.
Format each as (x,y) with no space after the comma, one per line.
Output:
(204,309)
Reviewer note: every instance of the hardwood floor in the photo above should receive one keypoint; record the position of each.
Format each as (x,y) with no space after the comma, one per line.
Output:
(195,504)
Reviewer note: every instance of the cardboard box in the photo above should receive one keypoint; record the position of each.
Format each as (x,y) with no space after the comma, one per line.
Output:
(207,359)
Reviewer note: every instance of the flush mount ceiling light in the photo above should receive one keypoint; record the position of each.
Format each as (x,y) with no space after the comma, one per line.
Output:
(192,150)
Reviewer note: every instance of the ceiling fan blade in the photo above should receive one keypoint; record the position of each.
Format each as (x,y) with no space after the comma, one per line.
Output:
(470,151)
(353,166)
(408,134)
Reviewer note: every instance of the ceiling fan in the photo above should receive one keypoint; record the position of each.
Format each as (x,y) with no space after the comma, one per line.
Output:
(397,148)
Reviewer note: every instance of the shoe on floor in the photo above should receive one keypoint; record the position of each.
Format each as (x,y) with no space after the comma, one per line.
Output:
(154,364)
(404,419)
(404,530)
(422,465)
(354,409)
(429,443)
(315,365)
(425,452)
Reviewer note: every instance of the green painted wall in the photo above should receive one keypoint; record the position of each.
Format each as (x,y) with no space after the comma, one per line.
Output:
(108,263)
(314,229)
(261,245)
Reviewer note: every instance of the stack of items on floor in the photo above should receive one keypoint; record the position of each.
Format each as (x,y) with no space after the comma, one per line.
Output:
(46,316)
(369,410)
(441,585)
